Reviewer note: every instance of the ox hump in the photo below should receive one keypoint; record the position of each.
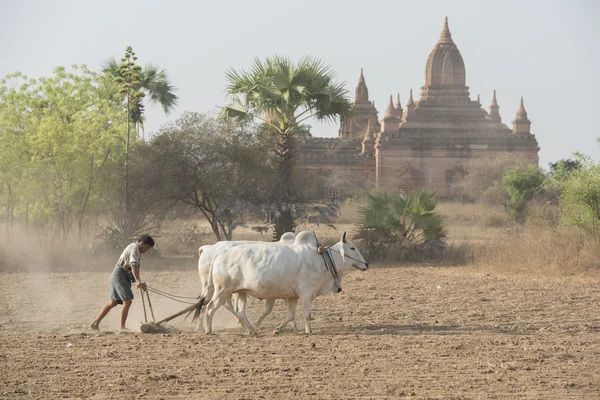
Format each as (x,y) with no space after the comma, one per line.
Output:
(305,237)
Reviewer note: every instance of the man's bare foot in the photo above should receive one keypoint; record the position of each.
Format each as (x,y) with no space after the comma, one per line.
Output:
(123,329)
(94,326)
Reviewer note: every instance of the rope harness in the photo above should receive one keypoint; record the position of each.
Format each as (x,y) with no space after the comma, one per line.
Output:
(352,258)
(171,296)
(325,252)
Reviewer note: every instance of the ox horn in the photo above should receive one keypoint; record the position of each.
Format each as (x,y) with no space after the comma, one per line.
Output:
(344,238)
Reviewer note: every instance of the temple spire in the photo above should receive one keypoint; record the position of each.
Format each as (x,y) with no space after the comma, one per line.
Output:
(521,124)
(521,113)
(410,106)
(495,109)
(494,101)
(361,95)
(411,102)
(399,106)
(478,98)
(445,36)
(390,111)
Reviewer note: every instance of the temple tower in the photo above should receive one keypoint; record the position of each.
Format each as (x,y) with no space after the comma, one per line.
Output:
(391,121)
(362,110)
(495,109)
(399,110)
(521,123)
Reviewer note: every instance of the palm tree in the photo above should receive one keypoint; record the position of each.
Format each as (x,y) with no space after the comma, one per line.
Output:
(135,83)
(397,225)
(154,83)
(283,94)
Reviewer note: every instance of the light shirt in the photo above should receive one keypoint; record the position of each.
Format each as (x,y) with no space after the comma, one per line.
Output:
(130,257)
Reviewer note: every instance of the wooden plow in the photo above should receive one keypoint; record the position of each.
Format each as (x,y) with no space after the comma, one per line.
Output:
(159,327)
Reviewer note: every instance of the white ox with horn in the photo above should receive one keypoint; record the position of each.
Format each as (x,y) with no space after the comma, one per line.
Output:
(276,271)
(209,251)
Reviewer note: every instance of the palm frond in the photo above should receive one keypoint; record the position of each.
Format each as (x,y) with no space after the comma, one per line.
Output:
(111,66)
(160,90)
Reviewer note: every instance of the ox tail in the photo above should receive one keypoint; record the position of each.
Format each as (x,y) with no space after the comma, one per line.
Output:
(197,310)
(210,289)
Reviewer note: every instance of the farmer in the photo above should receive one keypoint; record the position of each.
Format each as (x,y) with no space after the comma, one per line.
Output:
(126,271)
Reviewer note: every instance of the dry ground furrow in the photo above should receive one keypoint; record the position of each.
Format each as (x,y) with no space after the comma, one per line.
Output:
(410,332)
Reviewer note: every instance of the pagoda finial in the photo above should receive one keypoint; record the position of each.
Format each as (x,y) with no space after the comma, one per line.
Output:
(411,102)
(390,111)
(445,36)
(361,94)
(521,113)
(521,124)
(398,104)
(494,102)
(478,98)
(495,109)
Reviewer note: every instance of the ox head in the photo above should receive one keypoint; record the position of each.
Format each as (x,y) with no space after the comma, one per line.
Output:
(350,252)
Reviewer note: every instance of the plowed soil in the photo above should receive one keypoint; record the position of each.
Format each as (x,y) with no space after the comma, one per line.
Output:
(394,332)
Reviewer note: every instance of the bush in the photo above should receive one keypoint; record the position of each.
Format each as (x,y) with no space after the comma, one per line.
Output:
(399,227)
(521,183)
(580,196)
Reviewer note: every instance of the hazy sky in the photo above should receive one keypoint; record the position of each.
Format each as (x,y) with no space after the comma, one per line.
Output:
(544,50)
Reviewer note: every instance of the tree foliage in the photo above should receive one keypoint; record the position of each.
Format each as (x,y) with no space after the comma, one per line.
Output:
(284,94)
(579,190)
(397,225)
(521,183)
(60,137)
(562,168)
(137,83)
(211,166)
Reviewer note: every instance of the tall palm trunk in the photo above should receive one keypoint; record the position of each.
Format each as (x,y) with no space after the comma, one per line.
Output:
(283,193)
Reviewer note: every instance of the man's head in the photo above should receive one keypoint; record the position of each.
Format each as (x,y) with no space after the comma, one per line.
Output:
(146,243)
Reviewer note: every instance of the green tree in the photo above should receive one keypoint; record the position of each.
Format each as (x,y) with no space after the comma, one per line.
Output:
(205,165)
(580,195)
(521,183)
(562,168)
(283,95)
(59,136)
(398,225)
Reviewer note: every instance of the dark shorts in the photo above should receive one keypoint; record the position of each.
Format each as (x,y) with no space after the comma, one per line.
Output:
(120,284)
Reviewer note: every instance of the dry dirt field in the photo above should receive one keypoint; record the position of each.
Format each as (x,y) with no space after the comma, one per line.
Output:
(394,332)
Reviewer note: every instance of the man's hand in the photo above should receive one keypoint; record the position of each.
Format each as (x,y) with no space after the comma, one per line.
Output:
(142,285)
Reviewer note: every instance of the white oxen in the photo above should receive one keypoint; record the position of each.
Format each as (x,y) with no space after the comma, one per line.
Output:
(209,251)
(276,271)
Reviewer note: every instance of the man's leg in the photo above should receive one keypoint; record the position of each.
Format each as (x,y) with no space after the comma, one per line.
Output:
(125,312)
(107,307)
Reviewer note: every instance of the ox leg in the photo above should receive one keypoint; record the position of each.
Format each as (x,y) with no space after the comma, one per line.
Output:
(217,301)
(291,306)
(241,302)
(229,305)
(267,310)
(294,305)
(306,312)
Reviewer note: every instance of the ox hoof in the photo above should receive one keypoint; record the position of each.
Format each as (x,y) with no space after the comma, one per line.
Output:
(276,332)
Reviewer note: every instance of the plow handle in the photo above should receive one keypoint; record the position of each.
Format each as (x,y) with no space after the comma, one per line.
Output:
(144,305)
